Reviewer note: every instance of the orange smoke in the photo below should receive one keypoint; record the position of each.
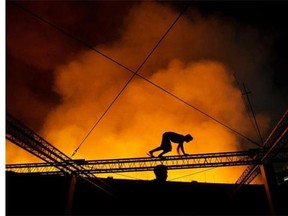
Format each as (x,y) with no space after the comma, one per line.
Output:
(136,121)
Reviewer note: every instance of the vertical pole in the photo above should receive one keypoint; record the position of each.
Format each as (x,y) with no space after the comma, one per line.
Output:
(250,106)
(70,195)
(267,189)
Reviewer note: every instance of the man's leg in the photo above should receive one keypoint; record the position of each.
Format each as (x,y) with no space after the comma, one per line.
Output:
(153,150)
(164,152)
(165,146)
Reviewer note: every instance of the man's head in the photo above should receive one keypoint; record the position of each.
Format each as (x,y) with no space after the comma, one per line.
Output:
(188,138)
(161,172)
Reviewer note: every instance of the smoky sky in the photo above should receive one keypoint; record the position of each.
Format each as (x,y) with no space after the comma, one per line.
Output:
(35,48)
(59,80)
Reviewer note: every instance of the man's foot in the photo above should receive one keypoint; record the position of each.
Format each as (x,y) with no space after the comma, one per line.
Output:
(150,154)
(161,157)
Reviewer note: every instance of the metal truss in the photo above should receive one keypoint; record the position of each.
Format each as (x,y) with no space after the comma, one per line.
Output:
(27,139)
(238,158)
(143,163)
(274,147)
(59,163)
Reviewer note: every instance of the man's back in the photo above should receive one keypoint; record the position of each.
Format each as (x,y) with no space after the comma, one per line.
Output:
(174,137)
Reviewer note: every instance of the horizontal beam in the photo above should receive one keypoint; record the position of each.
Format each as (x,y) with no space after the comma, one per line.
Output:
(143,163)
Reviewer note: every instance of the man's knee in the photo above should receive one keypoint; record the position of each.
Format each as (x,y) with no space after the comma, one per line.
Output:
(167,150)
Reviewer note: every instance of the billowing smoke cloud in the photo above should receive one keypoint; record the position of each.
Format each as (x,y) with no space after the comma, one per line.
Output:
(200,61)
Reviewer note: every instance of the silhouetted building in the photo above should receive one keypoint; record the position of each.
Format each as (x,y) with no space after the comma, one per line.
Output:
(34,194)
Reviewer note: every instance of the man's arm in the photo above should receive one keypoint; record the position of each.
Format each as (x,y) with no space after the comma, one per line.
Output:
(180,146)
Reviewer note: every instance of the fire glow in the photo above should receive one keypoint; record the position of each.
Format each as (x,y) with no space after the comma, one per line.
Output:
(142,112)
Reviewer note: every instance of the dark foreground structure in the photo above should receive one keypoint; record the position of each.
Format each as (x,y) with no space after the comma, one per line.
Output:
(34,194)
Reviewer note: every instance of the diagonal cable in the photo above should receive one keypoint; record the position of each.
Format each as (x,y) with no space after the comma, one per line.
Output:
(190,105)
(127,83)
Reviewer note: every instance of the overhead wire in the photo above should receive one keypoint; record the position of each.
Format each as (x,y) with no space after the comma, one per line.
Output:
(126,176)
(179,177)
(211,117)
(130,79)
(128,69)
(184,176)
(69,35)
(249,105)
